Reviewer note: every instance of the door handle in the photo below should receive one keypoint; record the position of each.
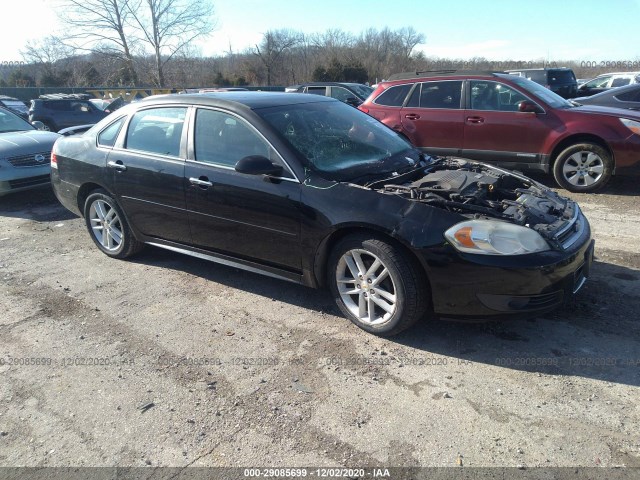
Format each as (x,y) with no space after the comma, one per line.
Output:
(475,120)
(412,116)
(201,182)
(118,165)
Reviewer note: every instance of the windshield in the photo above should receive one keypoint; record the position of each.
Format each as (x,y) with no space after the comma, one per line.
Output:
(10,122)
(16,105)
(552,99)
(339,141)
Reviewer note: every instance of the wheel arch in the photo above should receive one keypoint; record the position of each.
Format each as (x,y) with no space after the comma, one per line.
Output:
(580,138)
(85,190)
(330,241)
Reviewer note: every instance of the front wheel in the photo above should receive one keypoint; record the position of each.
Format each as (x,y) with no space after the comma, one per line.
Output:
(108,226)
(583,168)
(376,285)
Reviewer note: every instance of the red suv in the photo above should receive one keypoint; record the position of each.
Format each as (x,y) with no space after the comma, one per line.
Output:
(509,121)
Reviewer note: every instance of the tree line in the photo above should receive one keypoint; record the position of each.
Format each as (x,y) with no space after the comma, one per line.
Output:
(150,43)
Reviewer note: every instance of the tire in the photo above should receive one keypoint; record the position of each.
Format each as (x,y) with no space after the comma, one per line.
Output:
(583,168)
(49,127)
(367,303)
(108,226)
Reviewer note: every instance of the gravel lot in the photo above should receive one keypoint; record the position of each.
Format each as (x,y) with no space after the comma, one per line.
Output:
(167,360)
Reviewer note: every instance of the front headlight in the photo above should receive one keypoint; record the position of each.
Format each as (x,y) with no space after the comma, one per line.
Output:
(631,125)
(490,237)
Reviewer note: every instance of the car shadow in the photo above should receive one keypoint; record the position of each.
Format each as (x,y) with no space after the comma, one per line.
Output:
(594,336)
(623,185)
(39,204)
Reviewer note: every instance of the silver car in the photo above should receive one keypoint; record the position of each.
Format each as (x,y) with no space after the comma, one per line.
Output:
(24,154)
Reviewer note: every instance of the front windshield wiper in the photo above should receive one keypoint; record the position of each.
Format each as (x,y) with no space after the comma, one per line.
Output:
(399,175)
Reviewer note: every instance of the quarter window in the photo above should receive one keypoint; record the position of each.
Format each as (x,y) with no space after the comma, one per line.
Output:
(222,139)
(394,96)
(157,130)
(108,136)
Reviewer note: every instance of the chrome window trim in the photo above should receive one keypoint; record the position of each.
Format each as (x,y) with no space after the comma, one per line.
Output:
(107,147)
(419,86)
(226,167)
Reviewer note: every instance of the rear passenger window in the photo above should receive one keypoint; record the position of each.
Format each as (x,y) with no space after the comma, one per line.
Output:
(107,137)
(441,94)
(317,90)
(632,96)
(394,96)
(157,130)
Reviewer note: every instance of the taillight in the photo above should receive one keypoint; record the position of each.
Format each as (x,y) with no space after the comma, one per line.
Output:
(54,160)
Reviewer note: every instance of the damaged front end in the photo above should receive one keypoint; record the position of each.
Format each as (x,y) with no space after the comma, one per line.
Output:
(484,194)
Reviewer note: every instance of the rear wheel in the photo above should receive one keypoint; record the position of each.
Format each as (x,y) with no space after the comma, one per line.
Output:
(376,285)
(108,226)
(583,168)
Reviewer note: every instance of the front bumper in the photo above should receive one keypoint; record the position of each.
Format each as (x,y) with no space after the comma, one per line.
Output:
(18,179)
(626,154)
(487,287)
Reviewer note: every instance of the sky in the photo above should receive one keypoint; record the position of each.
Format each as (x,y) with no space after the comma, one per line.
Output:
(520,30)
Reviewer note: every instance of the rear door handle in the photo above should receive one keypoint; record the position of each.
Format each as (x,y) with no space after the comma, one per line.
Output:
(201,182)
(118,165)
(475,120)
(412,116)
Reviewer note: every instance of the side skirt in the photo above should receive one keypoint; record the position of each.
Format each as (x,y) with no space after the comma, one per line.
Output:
(230,261)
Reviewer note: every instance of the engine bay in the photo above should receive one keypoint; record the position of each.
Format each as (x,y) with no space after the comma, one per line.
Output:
(477,190)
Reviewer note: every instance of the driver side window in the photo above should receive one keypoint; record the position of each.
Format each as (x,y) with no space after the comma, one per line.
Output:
(598,82)
(223,139)
(494,96)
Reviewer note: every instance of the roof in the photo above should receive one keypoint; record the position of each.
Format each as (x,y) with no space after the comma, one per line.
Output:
(65,96)
(4,97)
(619,73)
(252,100)
(541,69)
(441,73)
(320,84)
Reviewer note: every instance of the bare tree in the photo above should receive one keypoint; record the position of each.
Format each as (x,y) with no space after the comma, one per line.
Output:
(100,26)
(46,54)
(274,44)
(168,26)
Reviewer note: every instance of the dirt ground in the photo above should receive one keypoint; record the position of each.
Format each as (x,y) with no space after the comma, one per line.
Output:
(167,360)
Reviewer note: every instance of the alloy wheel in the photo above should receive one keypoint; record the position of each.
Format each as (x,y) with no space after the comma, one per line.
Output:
(366,287)
(106,225)
(583,168)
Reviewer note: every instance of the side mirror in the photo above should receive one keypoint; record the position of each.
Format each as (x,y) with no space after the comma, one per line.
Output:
(529,107)
(257,165)
(38,125)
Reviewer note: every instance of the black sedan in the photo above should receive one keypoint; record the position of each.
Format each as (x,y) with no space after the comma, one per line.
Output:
(307,189)
(620,97)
